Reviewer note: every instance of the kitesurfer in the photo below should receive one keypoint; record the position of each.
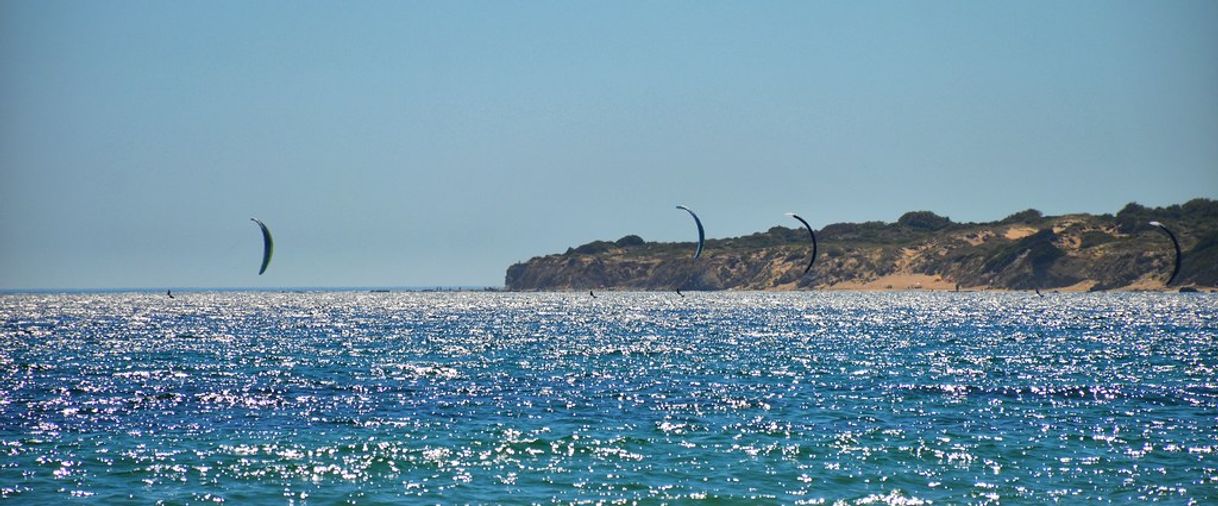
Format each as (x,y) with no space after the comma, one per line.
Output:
(812,235)
(268,245)
(1179,257)
(701,235)
(701,232)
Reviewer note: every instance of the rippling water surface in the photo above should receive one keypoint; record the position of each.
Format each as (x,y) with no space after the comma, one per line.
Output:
(815,398)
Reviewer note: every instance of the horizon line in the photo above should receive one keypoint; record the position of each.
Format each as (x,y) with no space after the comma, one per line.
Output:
(347,288)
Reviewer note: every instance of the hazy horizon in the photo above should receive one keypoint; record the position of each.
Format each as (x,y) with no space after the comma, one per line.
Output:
(434,144)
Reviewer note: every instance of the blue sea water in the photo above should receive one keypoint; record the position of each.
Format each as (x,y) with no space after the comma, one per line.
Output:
(807,398)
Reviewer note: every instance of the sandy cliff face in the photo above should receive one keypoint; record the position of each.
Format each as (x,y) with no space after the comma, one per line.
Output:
(920,251)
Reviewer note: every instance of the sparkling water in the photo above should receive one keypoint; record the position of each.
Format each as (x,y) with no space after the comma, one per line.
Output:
(809,398)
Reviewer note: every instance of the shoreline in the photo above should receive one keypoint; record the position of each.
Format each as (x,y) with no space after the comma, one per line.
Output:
(872,289)
(883,285)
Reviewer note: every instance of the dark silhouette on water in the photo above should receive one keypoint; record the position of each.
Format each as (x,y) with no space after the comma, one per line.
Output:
(169,293)
(590,292)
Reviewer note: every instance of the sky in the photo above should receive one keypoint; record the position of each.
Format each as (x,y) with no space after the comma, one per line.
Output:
(436,143)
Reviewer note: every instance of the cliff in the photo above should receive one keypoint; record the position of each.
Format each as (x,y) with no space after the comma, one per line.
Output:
(921,250)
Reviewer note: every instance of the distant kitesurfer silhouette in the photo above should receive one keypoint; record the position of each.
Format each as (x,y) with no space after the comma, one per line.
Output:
(1179,256)
(592,294)
(268,245)
(169,293)
(812,235)
(679,293)
(701,237)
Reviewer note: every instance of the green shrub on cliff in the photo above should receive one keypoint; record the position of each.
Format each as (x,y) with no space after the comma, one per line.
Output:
(1093,238)
(924,220)
(593,248)
(629,241)
(1027,217)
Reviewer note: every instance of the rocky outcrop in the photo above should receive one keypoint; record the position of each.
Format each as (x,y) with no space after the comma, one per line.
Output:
(921,250)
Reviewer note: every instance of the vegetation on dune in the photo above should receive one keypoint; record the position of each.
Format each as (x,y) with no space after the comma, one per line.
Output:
(1026,217)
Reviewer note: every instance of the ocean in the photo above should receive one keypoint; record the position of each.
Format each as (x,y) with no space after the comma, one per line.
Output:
(795,398)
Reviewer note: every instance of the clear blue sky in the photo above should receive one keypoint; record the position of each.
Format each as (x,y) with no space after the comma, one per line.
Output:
(435,143)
